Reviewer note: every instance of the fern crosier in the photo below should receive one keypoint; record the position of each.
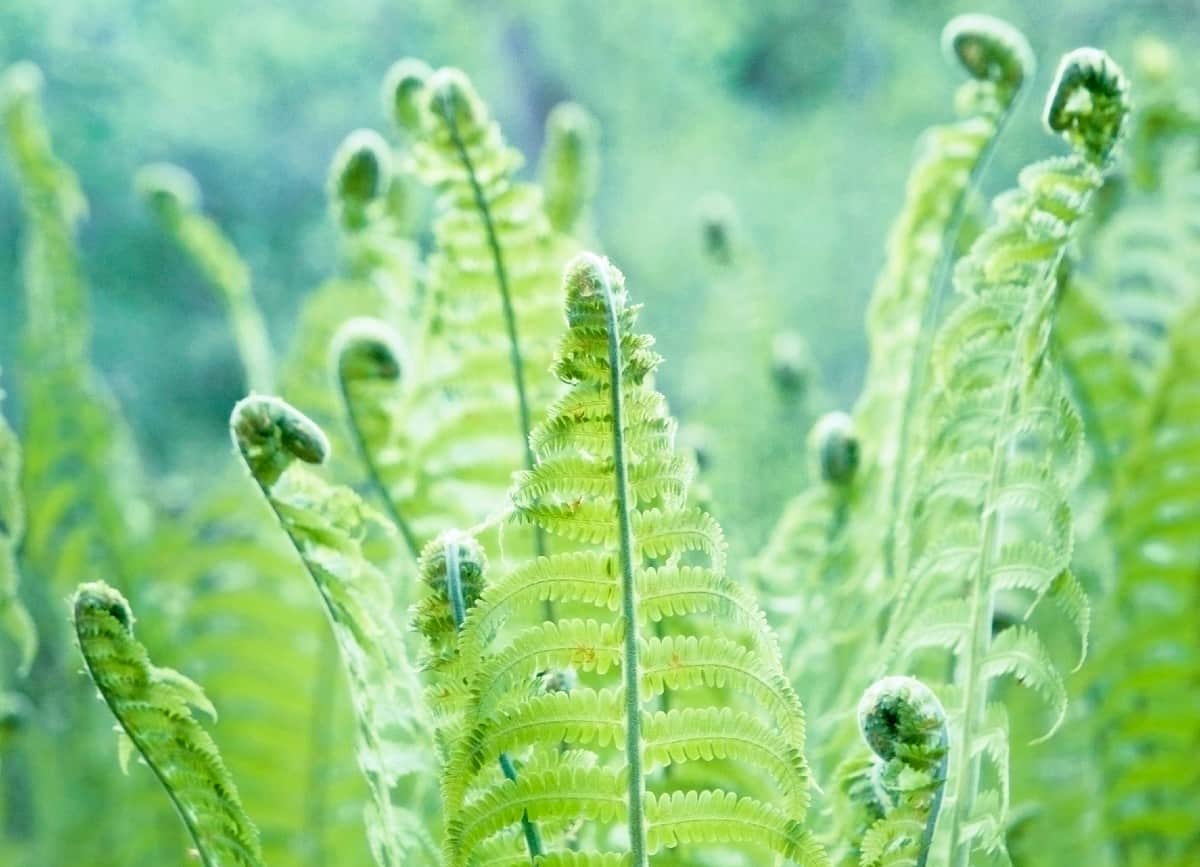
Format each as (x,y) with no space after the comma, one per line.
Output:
(905,727)
(609,484)
(990,507)
(327,525)
(152,707)
(570,168)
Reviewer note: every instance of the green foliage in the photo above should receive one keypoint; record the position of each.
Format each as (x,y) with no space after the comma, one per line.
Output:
(152,707)
(547,655)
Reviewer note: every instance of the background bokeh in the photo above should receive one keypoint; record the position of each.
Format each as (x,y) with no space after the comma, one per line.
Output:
(804,114)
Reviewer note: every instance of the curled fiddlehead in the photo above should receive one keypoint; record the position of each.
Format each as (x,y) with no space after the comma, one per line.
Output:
(904,724)
(152,707)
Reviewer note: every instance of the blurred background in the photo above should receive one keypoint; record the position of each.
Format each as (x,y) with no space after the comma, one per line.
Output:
(803,114)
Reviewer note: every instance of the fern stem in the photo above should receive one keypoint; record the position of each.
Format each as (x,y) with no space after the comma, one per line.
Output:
(629,606)
(458,608)
(373,475)
(510,315)
(320,729)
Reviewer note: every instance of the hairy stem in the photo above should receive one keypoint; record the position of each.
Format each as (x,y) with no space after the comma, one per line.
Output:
(630,668)
(510,318)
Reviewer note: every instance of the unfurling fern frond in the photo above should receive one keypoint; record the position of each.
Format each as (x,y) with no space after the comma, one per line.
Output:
(1148,718)
(641,583)
(990,512)
(327,525)
(153,710)
(174,198)
(14,618)
(905,727)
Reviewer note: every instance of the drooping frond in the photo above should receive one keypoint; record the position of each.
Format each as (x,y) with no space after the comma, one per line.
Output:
(174,198)
(641,574)
(327,526)
(990,511)
(14,618)
(153,710)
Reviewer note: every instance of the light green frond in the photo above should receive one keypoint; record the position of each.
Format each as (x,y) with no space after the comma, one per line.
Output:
(152,707)
(14,618)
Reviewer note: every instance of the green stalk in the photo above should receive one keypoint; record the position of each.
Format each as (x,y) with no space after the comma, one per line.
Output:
(373,476)
(631,671)
(510,315)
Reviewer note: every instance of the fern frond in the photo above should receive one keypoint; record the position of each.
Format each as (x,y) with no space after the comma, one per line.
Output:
(643,554)
(174,198)
(152,707)
(326,526)
(570,168)
(1002,445)
(14,617)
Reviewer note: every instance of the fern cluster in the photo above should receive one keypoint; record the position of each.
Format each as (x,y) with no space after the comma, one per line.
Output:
(539,648)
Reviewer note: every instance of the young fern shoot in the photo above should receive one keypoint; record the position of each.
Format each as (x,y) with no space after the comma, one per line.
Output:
(152,707)
(609,484)
(326,525)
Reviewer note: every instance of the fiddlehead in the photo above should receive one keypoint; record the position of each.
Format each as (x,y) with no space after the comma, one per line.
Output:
(326,526)
(152,707)
(174,198)
(606,450)
(905,727)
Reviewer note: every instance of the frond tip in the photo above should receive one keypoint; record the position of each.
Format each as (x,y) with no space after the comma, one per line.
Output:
(270,433)
(402,88)
(989,49)
(1088,102)
(167,188)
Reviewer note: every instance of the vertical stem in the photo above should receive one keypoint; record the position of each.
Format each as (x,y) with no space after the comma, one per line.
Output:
(935,807)
(458,608)
(510,317)
(629,606)
(320,729)
(410,539)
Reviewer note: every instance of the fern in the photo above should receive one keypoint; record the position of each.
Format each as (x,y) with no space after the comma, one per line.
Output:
(326,526)
(1148,717)
(456,426)
(152,707)
(607,479)
(174,198)
(990,514)
(14,618)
